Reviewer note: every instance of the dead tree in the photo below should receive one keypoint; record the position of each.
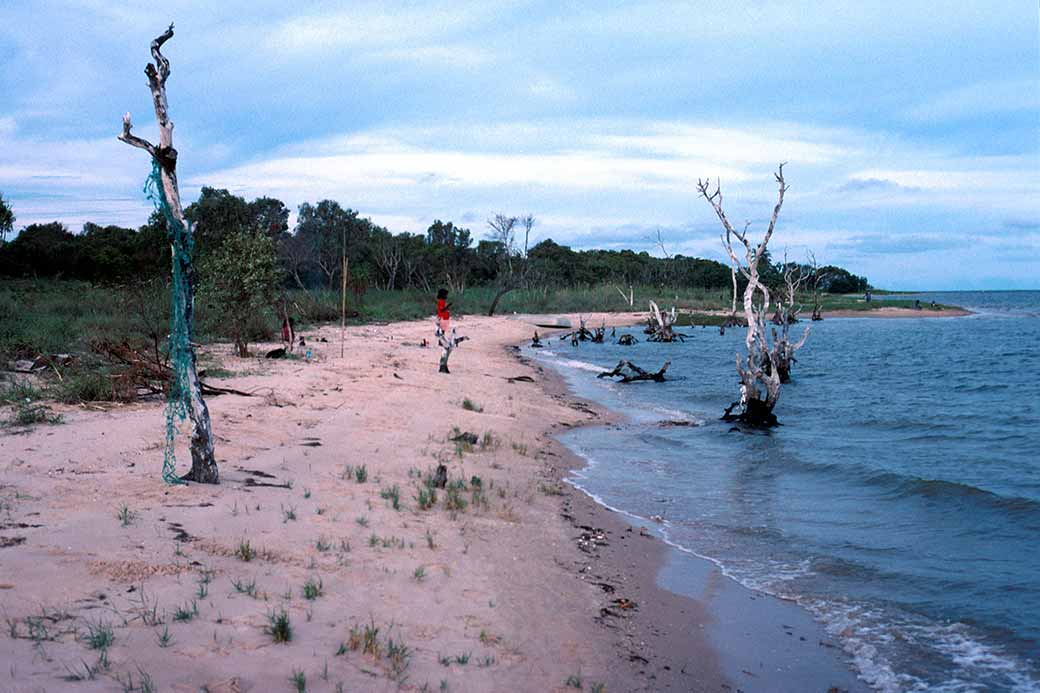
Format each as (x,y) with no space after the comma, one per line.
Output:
(630,298)
(447,344)
(783,348)
(816,279)
(513,264)
(203,463)
(758,371)
(659,325)
(627,340)
(631,373)
(582,334)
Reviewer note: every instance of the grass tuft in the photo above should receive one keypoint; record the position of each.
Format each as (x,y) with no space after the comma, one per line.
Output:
(279,626)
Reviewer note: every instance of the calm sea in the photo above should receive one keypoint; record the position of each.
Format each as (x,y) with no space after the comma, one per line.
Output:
(899,503)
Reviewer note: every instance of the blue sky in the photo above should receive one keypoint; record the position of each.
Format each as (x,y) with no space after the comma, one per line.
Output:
(911,131)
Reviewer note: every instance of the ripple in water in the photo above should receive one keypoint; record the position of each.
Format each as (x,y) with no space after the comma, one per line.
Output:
(899,505)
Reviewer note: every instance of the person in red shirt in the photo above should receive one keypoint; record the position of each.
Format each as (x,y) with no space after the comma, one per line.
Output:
(443,314)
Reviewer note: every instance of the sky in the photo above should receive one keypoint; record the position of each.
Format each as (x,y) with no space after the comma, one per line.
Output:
(911,131)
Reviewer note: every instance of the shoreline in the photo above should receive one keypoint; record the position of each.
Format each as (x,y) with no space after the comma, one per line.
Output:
(499,579)
(690,593)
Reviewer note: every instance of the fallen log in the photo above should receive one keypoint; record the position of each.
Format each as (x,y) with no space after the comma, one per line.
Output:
(630,373)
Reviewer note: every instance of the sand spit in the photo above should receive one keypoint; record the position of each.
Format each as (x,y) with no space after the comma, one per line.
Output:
(487,590)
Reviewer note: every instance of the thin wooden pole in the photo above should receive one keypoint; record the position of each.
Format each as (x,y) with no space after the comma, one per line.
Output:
(343,310)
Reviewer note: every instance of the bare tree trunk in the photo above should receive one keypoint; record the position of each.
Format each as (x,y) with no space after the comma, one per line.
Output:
(660,325)
(203,463)
(447,343)
(758,370)
(498,297)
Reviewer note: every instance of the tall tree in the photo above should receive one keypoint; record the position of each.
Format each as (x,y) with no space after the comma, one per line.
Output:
(186,387)
(758,371)
(512,261)
(7,219)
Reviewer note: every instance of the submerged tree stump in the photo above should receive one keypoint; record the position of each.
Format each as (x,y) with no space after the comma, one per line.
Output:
(629,372)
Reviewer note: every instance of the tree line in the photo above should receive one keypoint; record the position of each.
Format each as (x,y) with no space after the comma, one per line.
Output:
(229,230)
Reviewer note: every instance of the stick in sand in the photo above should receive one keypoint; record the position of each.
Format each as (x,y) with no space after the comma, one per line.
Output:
(343,310)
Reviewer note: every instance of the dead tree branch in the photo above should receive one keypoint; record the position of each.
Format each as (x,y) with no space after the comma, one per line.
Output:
(629,372)
(203,463)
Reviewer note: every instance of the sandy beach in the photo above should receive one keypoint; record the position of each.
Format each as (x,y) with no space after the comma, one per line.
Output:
(519,590)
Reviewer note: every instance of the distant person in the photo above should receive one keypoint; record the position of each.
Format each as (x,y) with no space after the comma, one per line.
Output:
(867,296)
(917,304)
(443,311)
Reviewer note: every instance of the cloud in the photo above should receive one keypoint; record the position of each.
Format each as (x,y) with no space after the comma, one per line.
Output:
(981,99)
(873,185)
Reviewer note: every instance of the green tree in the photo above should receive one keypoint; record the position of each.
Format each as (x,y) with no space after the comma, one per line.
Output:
(6,219)
(215,216)
(240,282)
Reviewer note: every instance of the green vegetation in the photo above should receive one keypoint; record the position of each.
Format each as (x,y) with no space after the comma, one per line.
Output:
(279,627)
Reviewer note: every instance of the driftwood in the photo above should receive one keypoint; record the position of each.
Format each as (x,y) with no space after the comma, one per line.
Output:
(627,340)
(141,369)
(659,325)
(203,463)
(582,334)
(630,373)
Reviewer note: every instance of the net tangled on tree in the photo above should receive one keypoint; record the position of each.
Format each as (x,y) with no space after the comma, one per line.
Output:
(178,394)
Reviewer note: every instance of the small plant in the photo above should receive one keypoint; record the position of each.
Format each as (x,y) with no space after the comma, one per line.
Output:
(243,587)
(551,489)
(370,640)
(487,661)
(426,499)
(164,638)
(470,405)
(444,660)
(574,681)
(489,639)
(289,514)
(520,448)
(279,627)
(322,544)
(312,590)
(27,414)
(299,680)
(348,472)
(420,574)
(361,474)
(354,639)
(245,551)
(99,635)
(306,493)
(399,655)
(488,441)
(463,659)
(126,516)
(187,612)
(362,521)
(429,540)
(454,501)
(597,687)
(392,494)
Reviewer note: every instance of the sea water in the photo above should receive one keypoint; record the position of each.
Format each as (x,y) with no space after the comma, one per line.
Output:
(899,502)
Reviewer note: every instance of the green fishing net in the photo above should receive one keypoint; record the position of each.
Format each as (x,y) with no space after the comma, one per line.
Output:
(178,396)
